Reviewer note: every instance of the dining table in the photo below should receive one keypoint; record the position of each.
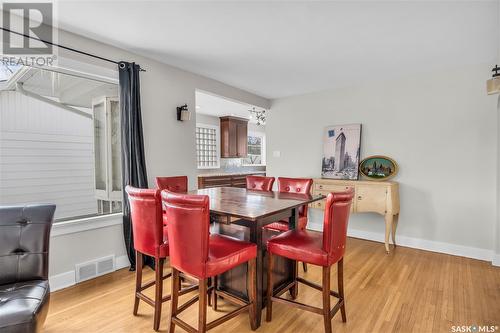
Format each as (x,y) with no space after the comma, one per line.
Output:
(241,213)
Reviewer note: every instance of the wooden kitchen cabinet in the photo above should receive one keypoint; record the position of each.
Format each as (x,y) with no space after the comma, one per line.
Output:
(229,180)
(233,137)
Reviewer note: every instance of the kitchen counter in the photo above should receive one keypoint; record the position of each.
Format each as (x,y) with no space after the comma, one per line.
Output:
(232,174)
(226,179)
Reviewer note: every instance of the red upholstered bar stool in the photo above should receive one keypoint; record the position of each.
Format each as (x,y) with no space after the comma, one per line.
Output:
(293,185)
(318,249)
(195,254)
(147,227)
(178,184)
(260,183)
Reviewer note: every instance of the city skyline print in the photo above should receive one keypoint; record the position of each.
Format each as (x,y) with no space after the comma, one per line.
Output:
(341,151)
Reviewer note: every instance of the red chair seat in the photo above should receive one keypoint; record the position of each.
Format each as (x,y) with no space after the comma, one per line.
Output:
(301,246)
(225,253)
(282,225)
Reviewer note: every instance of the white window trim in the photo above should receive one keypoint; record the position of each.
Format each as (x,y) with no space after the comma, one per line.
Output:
(263,155)
(85,224)
(217,143)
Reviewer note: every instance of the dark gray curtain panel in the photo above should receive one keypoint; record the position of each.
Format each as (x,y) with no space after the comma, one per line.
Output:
(132,142)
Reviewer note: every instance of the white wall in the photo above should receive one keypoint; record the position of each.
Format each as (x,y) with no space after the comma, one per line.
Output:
(440,127)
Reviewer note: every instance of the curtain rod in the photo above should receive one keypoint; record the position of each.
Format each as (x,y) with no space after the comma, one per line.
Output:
(66,48)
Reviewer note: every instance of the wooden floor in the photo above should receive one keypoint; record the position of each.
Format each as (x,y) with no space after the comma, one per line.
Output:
(406,291)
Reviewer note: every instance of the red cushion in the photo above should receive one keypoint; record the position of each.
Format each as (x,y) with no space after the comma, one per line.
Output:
(277,226)
(282,225)
(302,246)
(225,253)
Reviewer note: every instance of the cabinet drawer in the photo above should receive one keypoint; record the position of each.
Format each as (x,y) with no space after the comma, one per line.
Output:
(371,199)
(321,205)
(216,181)
(327,188)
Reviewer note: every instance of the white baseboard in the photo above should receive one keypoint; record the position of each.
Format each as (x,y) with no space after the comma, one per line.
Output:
(68,279)
(496,260)
(61,281)
(423,244)
(122,262)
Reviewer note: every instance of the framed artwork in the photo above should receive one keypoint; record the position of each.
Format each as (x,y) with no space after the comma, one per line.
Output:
(378,167)
(341,149)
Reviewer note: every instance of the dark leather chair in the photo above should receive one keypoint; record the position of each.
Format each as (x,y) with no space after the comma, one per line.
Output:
(319,249)
(260,183)
(24,267)
(194,253)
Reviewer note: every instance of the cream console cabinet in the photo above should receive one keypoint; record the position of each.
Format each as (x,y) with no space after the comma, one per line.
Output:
(370,196)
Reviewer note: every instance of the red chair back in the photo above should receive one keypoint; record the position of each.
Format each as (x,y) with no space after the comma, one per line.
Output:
(296,185)
(260,183)
(147,221)
(178,184)
(336,218)
(188,231)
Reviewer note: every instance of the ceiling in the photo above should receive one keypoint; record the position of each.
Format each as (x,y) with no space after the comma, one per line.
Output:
(213,105)
(279,48)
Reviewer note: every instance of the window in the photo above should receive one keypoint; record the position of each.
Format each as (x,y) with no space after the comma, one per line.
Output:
(107,154)
(60,143)
(256,152)
(207,146)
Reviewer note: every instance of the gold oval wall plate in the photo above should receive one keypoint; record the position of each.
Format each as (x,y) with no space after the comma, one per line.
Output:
(378,167)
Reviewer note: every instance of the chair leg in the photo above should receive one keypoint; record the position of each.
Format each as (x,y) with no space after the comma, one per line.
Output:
(210,293)
(340,277)
(202,311)
(214,294)
(138,279)
(269,305)
(304,266)
(158,292)
(294,291)
(252,293)
(175,298)
(326,300)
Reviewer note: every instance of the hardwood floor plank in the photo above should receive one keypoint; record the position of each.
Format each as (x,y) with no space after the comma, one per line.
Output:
(406,291)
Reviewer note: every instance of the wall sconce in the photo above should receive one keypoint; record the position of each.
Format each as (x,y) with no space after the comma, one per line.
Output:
(493,84)
(183,113)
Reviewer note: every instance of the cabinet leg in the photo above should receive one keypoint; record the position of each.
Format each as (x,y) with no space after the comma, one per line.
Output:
(394,227)
(388,225)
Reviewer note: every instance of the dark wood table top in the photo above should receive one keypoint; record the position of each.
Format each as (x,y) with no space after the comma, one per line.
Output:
(250,204)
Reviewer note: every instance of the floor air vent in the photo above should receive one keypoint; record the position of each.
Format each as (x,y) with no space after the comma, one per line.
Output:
(91,269)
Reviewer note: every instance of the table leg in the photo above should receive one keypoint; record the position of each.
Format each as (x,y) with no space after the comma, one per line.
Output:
(256,238)
(293,222)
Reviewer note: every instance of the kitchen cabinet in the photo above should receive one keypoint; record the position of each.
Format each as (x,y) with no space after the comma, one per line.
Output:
(228,180)
(233,135)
